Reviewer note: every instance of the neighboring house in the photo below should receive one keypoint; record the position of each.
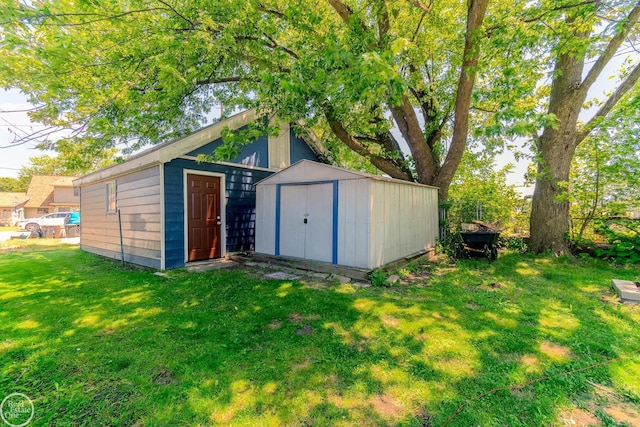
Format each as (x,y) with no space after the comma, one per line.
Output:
(50,193)
(168,209)
(12,207)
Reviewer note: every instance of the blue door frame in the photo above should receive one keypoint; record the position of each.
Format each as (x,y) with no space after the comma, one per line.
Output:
(334,246)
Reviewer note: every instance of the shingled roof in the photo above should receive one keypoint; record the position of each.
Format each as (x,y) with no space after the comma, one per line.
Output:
(11,199)
(40,191)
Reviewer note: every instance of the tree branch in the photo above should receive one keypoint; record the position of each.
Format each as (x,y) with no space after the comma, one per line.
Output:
(612,48)
(385,165)
(625,87)
(475,16)
(407,121)
(546,12)
(345,12)
(415,32)
(274,12)
(383,20)
(102,17)
(269,42)
(178,14)
(211,81)
(274,45)
(423,6)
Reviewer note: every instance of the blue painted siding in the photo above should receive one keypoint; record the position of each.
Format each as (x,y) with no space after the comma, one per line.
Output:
(299,149)
(240,207)
(253,154)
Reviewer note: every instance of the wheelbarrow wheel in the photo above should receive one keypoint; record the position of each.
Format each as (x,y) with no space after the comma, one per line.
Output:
(494,253)
(486,252)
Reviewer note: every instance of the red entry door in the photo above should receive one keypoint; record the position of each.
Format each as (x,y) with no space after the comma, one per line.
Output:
(203,217)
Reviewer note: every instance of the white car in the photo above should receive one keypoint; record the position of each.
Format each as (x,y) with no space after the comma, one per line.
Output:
(56,219)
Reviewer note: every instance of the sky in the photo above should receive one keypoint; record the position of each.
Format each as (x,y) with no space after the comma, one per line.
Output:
(13,156)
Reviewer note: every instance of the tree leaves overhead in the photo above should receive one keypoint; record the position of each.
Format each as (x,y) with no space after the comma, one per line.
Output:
(140,72)
(131,73)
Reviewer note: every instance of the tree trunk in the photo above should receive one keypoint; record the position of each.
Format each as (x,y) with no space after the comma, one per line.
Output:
(550,210)
(476,10)
(550,207)
(549,222)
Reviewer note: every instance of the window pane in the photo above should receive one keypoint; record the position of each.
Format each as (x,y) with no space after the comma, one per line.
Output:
(111,197)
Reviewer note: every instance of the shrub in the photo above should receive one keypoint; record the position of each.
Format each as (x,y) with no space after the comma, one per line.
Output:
(623,236)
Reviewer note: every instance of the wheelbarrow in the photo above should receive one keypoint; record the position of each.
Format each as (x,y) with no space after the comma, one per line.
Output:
(478,243)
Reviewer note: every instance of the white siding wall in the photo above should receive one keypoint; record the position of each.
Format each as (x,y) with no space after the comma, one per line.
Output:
(280,147)
(404,221)
(138,198)
(265,219)
(353,222)
(65,195)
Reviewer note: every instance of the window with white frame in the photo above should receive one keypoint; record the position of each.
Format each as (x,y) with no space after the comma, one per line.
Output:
(110,206)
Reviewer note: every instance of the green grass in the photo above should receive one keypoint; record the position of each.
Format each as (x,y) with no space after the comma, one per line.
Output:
(92,344)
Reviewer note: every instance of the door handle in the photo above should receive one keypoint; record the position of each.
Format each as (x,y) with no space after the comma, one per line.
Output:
(218,222)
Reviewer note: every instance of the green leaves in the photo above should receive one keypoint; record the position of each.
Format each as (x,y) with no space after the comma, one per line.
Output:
(623,236)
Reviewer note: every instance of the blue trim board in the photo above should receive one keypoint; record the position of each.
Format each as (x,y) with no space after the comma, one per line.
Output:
(278,187)
(334,244)
(334,249)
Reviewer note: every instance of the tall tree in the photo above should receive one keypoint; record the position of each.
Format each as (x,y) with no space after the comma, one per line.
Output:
(139,72)
(581,37)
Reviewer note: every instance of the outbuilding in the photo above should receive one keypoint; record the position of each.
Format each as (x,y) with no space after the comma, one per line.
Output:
(164,207)
(319,212)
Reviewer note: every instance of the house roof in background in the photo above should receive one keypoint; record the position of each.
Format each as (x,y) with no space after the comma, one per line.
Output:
(65,181)
(11,199)
(40,191)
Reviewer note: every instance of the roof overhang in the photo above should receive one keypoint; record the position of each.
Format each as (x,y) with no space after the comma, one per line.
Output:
(168,151)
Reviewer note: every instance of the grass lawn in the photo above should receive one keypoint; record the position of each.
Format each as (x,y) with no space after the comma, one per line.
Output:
(92,344)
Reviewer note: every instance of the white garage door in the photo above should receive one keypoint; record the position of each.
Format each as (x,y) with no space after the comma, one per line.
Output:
(306,221)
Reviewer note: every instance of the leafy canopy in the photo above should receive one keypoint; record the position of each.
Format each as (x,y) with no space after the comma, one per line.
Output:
(133,73)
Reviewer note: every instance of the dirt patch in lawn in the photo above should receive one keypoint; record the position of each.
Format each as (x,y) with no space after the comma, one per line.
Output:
(555,351)
(624,413)
(577,417)
(299,318)
(389,321)
(386,407)
(275,324)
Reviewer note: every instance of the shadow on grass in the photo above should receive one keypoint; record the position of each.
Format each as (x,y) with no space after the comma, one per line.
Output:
(92,344)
